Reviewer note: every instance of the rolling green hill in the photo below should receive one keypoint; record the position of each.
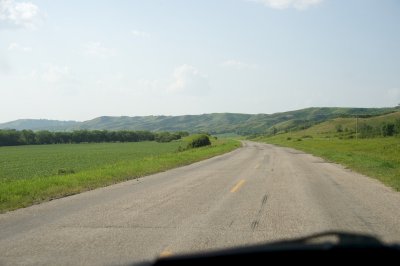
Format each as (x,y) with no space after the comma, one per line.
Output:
(215,123)
(38,124)
(345,127)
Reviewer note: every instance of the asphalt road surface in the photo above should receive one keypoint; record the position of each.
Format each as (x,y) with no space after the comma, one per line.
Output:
(255,194)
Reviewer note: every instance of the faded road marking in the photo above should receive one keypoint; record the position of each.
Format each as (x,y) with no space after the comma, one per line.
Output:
(238,185)
(166,253)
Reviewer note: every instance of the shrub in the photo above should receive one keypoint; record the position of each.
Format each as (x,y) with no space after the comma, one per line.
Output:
(388,129)
(181,149)
(63,171)
(166,137)
(367,131)
(339,128)
(199,141)
(397,126)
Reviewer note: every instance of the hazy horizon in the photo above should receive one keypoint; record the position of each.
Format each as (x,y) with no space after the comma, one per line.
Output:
(77,60)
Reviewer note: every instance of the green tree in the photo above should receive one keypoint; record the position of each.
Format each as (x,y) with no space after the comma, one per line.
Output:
(10,137)
(166,137)
(388,129)
(62,137)
(28,137)
(44,137)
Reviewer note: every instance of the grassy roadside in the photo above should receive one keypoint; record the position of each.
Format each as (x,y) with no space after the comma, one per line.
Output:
(378,157)
(22,192)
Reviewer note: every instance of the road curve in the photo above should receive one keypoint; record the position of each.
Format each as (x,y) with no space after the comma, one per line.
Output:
(255,194)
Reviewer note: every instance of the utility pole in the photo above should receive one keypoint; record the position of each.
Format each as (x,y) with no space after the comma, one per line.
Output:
(356,127)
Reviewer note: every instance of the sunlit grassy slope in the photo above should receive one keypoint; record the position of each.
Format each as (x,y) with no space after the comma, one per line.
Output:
(329,128)
(376,157)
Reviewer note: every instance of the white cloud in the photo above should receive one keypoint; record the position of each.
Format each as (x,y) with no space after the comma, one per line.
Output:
(54,73)
(97,49)
(237,64)
(187,79)
(138,33)
(284,4)
(19,14)
(20,48)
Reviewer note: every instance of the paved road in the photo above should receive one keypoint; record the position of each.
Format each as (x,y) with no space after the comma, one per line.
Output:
(254,194)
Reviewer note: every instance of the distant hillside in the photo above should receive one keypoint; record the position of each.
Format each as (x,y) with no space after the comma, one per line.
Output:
(39,124)
(346,127)
(216,123)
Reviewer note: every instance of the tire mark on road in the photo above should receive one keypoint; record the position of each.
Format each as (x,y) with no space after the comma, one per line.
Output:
(256,221)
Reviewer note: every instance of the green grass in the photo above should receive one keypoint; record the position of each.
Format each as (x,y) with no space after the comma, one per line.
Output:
(227,135)
(328,128)
(31,174)
(377,157)
(24,162)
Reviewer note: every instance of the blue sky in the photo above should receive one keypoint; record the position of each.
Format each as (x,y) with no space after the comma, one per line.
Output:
(76,60)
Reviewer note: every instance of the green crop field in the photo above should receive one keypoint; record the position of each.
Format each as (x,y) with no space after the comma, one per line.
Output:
(376,157)
(36,173)
(24,162)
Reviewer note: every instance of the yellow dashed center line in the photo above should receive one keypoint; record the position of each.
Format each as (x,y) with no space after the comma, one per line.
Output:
(166,253)
(238,185)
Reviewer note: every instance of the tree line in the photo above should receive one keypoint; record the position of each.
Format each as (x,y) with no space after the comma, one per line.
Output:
(365,130)
(12,137)
(385,129)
